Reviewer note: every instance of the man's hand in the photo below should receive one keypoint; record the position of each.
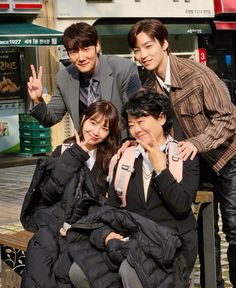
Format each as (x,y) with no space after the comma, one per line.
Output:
(186,149)
(35,85)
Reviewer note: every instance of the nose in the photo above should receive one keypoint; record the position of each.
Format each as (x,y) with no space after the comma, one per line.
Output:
(96,130)
(137,129)
(81,56)
(143,54)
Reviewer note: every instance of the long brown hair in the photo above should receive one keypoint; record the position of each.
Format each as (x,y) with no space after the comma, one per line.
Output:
(107,148)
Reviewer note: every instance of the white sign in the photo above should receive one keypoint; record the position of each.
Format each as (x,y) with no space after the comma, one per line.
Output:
(130,8)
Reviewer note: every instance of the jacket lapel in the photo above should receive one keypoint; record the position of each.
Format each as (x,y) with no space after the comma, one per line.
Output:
(106,78)
(138,179)
(74,93)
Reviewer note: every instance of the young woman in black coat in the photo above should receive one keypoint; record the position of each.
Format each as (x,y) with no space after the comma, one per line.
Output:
(55,198)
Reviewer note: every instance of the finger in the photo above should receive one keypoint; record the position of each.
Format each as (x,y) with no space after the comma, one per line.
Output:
(77,136)
(154,140)
(193,155)
(40,73)
(33,71)
(144,145)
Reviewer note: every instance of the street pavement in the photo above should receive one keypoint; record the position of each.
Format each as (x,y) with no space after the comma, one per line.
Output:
(14,183)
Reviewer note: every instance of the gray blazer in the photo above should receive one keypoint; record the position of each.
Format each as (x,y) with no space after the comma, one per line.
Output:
(119,80)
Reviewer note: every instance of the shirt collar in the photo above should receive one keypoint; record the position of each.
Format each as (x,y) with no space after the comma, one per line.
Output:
(96,72)
(92,158)
(140,150)
(167,83)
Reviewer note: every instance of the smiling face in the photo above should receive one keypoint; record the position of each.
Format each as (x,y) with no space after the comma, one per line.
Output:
(149,52)
(85,59)
(145,128)
(95,130)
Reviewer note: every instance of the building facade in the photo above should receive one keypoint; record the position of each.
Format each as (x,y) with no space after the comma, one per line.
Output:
(25,38)
(202,30)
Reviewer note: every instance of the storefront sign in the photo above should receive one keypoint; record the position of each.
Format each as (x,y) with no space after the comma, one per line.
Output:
(123,8)
(15,41)
(28,34)
(202,55)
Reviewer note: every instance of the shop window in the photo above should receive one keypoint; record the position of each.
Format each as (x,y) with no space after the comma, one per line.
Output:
(10,74)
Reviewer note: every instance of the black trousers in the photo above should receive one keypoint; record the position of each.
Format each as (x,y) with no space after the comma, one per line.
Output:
(224,188)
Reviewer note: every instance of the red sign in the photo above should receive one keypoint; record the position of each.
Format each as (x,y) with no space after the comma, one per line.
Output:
(4,6)
(20,7)
(28,6)
(225,6)
(202,55)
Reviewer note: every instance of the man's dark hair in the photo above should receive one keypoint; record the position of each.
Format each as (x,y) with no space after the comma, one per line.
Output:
(79,35)
(152,27)
(148,103)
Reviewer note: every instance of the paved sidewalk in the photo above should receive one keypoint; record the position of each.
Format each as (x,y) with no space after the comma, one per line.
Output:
(14,183)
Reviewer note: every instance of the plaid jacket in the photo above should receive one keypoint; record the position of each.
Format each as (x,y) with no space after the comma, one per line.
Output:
(203,108)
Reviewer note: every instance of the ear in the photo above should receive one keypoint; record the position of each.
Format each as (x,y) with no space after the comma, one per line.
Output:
(162,118)
(165,45)
(98,47)
(82,120)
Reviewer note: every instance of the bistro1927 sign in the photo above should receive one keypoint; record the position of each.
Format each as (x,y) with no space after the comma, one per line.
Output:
(28,34)
(28,41)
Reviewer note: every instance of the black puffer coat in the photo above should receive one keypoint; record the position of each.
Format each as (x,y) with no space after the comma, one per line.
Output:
(153,250)
(63,190)
(56,195)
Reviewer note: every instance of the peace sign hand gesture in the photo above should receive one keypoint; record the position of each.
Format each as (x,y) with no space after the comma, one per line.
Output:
(82,144)
(35,85)
(156,156)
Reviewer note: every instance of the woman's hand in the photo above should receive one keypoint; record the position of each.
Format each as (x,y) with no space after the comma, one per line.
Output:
(111,236)
(82,144)
(156,156)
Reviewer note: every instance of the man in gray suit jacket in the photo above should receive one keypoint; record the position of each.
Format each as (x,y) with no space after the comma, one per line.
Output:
(113,78)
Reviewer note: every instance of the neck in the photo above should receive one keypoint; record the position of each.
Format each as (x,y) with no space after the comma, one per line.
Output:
(161,69)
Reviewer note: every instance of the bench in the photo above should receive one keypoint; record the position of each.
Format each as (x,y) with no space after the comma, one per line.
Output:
(204,201)
(13,246)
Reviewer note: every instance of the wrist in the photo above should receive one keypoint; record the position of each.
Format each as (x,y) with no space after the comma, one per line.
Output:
(158,172)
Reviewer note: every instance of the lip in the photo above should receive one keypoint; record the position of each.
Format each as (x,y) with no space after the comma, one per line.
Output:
(147,62)
(93,138)
(141,137)
(82,64)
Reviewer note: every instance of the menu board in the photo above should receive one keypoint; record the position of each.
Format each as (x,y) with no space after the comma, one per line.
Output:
(10,75)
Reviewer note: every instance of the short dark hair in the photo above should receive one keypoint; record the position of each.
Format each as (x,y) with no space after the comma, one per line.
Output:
(152,27)
(149,103)
(79,35)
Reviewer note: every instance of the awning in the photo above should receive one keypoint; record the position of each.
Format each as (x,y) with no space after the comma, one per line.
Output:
(225,6)
(224,25)
(123,29)
(27,34)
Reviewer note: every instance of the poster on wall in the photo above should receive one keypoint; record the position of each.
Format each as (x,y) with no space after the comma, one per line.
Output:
(10,76)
